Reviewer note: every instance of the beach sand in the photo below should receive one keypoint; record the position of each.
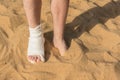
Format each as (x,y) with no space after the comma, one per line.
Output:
(92,32)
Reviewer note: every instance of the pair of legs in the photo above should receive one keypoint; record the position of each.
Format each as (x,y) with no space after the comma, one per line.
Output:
(59,9)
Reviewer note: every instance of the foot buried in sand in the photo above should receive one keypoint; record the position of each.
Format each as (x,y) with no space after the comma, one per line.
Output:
(36,45)
(60,44)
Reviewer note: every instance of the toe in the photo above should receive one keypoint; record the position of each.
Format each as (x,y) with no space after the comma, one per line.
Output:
(29,57)
(38,59)
(34,59)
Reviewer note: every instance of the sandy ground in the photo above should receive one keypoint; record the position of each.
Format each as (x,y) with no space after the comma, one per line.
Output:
(92,32)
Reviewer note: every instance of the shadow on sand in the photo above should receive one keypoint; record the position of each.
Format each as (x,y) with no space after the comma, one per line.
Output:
(87,20)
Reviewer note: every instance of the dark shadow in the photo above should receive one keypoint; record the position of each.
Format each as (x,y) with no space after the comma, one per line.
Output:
(117,70)
(87,20)
(48,47)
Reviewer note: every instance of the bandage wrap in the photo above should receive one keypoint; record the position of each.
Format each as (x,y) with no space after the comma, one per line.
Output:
(36,42)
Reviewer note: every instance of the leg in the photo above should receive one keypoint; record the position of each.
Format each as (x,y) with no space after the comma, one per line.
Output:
(33,11)
(59,10)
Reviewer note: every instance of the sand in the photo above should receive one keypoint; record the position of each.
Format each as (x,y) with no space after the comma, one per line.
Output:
(92,32)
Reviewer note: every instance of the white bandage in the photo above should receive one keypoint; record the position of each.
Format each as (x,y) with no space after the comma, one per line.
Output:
(36,42)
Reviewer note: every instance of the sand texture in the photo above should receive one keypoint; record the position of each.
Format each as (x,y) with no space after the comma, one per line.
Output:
(92,32)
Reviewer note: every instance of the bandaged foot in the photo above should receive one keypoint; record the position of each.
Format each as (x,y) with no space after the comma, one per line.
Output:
(36,42)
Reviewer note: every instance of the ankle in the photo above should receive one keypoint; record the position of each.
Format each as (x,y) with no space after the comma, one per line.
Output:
(58,39)
(36,32)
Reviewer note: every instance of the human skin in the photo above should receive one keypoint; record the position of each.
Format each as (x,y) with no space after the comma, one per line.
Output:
(59,10)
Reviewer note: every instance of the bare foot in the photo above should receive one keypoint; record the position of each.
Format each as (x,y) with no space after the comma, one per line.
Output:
(61,45)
